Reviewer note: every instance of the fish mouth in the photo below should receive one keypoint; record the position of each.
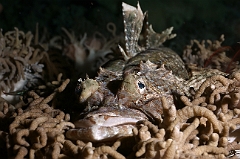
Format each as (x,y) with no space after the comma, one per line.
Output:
(106,124)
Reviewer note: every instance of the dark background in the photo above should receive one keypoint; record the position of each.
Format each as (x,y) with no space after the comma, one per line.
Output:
(191,19)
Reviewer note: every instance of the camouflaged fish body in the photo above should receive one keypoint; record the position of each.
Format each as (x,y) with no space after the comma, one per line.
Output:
(111,76)
(134,84)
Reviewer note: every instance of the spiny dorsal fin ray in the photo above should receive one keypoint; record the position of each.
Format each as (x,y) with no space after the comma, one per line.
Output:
(157,39)
(143,39)
(133,21)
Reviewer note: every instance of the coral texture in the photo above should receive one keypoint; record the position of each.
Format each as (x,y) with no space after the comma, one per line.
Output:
(22,62)
(145,105)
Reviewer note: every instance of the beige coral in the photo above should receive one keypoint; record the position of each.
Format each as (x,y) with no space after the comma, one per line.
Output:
(207,134)
(108,150)
(22,62)
(40,127)
(200,53)
(228,99)
(196,111)
(87,50)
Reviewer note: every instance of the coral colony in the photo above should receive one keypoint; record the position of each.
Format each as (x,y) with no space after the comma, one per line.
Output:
(147,102)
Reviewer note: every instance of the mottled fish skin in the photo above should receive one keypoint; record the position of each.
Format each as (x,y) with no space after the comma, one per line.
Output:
(199,75)
(116,65)
(160,56)
(110,77)
(142,88)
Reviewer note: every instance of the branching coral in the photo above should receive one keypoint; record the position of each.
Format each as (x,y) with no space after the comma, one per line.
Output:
(198,52)
(88,50)
(209,54)
(15,59)
(86,150)
(22,62)
(195,130)
(39,128)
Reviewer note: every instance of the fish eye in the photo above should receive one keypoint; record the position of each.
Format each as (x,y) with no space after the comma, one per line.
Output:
(141,85)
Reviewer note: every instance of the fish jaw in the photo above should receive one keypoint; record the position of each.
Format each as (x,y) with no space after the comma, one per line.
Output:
(98,133)
(106,124)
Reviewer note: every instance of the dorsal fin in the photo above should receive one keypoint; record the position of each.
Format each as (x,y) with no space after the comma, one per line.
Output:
(133,21)
(144,34)
(157,39)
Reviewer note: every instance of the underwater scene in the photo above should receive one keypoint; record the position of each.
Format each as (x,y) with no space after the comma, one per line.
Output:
(104,79)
